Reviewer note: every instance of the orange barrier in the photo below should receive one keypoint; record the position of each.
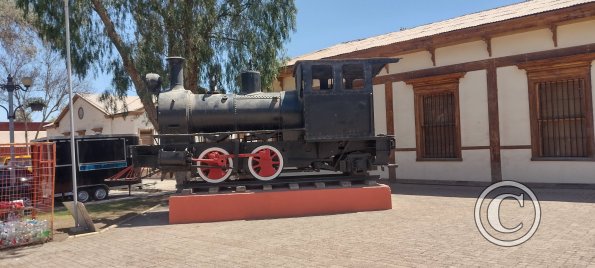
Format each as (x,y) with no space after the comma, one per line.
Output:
(26,193)
(277,204)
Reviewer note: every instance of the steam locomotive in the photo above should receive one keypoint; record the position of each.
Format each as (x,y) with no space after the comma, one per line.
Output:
(326,123)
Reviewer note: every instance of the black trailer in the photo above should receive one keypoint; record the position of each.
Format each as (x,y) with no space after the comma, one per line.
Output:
(98,159)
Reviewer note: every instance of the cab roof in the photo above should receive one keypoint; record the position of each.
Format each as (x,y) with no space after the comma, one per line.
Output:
(377,63)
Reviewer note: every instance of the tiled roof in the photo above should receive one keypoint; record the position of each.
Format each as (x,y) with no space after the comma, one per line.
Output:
(133,103)
(467,21)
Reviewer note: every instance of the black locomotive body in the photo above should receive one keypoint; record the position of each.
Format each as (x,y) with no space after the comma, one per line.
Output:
(327,123)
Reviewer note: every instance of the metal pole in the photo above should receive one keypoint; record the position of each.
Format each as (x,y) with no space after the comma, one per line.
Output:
(71,108)
(11,87)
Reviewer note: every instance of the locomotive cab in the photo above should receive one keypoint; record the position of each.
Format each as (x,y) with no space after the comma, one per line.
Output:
(337,97)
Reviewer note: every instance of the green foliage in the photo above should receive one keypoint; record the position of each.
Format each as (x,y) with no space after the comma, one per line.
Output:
(111,102)
(217,37)
(24,54)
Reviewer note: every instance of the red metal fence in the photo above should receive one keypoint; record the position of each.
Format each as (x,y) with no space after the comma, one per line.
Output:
(26,193)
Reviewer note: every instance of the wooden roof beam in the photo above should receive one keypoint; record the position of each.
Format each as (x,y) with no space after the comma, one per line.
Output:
(584,52)
(432,51)
(554,30)
(488,41)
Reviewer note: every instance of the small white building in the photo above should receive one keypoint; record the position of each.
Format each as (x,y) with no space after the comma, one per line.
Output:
(500,94)
(93,117)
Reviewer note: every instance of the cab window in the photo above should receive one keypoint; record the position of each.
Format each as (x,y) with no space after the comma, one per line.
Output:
(322,77)
(353,76)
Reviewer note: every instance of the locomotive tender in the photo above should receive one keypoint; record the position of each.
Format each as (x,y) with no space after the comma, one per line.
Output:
(327,123)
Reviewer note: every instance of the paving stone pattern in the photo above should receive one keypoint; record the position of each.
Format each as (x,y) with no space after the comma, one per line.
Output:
(428,226)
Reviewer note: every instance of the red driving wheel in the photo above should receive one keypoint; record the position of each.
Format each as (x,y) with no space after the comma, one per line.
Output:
(220,165)
(266,162)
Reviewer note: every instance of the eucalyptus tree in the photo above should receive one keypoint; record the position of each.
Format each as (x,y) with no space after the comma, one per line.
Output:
(129,38)
(22,54)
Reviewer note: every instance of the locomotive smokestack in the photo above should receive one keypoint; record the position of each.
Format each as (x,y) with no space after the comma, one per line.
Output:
(176,73)
(250,82)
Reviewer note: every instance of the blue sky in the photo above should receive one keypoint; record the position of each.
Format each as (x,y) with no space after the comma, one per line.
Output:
(323,23)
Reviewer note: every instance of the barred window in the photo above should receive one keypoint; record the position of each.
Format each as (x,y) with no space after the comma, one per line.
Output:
(438,126)
(561,118)
(560,103)
(438,135)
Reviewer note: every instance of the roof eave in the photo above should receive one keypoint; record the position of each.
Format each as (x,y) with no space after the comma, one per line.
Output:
(478,32)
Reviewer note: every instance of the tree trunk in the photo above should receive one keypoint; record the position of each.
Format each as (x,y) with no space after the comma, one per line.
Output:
(128,62)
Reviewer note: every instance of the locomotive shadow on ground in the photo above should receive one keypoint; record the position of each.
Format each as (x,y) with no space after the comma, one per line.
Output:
(555,193)
(158,217)
(162,218)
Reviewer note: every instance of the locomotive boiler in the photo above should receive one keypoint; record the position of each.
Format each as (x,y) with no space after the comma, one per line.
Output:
(326,123)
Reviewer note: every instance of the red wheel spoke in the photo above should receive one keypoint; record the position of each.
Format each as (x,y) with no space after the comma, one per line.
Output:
(266,162)
(216,173)
(218,165)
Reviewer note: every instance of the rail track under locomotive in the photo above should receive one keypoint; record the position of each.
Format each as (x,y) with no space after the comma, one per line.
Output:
(327,123)
(284,183)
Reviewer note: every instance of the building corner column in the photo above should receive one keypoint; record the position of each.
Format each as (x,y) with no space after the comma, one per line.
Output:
(390,125)
(494,123)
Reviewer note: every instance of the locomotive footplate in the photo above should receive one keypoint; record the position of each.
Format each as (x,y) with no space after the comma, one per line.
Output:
(283,183)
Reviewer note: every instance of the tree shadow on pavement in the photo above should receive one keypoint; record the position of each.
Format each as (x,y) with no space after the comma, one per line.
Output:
(17,252)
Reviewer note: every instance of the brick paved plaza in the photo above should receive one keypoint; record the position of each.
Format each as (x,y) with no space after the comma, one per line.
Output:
(428,226)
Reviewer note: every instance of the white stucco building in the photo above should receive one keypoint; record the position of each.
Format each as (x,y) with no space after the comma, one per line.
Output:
(500,94)
(93,117)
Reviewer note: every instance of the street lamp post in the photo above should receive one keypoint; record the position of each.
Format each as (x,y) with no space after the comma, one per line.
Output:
(11,87)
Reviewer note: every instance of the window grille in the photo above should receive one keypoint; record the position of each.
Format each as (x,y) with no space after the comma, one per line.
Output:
(561,118)
(438,126)
(437,123)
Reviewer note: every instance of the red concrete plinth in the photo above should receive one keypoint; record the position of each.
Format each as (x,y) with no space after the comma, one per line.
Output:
(277,204)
